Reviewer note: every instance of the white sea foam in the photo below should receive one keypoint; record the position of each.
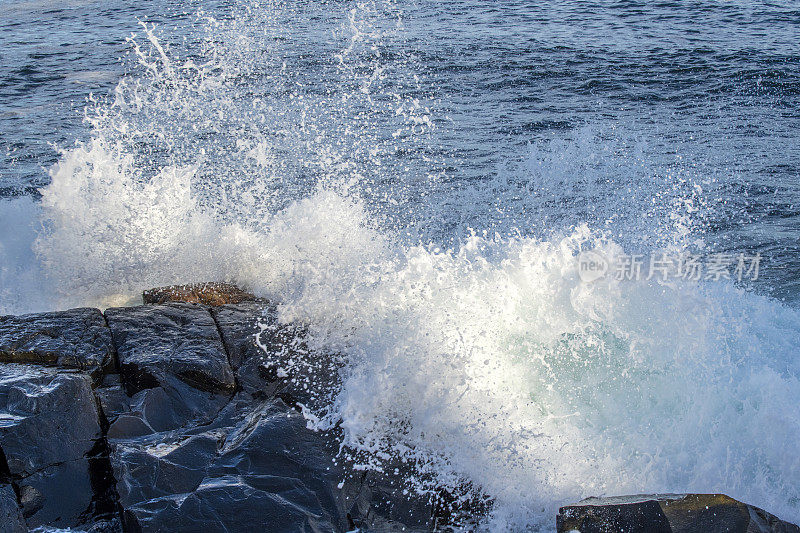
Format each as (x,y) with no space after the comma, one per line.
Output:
(485,359)
(496,363)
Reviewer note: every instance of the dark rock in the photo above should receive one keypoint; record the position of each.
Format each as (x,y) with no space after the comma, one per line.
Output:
(255,468)
(164,467)
(174,370)
(255,465)
(239,327)
(111,525)
(11,520)
(105,526)
(78,338)
(231,503)
(46,417)
(49,428)
(113,399)
(668,513)
(272,359)
(155,410)
(59,495)
(155,343)
(199,430)
(165,408)
(199,293)
(381,506)
(258,471)
(280,364)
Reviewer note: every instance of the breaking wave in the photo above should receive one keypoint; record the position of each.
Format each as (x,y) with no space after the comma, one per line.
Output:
(472,347)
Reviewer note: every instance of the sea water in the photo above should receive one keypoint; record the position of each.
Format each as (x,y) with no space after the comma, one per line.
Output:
(416,183)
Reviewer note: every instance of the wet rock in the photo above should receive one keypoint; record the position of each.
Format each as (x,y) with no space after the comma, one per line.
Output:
(112,525)
(239,327)
(255,465)
(49,429)
(200,293)
(258,470)
(155,410)
(381,506)
(668,513)
(231,503)
(78,338)
(173,368)
(11,520)
(165,467)
(199,430)
(165,408)
(46,417)
(58,495)
(274,452)
(157,343)
(112,397)
(279,364)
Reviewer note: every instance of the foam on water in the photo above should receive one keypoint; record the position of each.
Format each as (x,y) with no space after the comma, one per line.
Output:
(496,363)
(484,359)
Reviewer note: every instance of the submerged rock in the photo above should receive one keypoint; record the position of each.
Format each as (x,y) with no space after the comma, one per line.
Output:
(78,338)
(199,293)
(668,513)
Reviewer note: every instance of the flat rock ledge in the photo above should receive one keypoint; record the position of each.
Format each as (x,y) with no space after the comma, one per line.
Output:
(168,417)
(668,513)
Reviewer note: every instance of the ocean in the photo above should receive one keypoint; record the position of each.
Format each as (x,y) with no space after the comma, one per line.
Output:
(425,186)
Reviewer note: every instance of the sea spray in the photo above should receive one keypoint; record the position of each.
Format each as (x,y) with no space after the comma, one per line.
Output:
(497,365)
(471,346)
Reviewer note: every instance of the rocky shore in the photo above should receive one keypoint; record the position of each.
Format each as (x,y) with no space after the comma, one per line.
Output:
(168,417)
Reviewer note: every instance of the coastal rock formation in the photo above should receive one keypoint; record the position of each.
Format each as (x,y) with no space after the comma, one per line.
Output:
(10,513)
(668,513)
(260,349)
(178,340)
(49,431)
(77,338)
(182,416)
(170,416)
(239,326)
(254,468)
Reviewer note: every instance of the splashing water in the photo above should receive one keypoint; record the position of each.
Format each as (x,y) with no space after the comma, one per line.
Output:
(471,346)
(496,364)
